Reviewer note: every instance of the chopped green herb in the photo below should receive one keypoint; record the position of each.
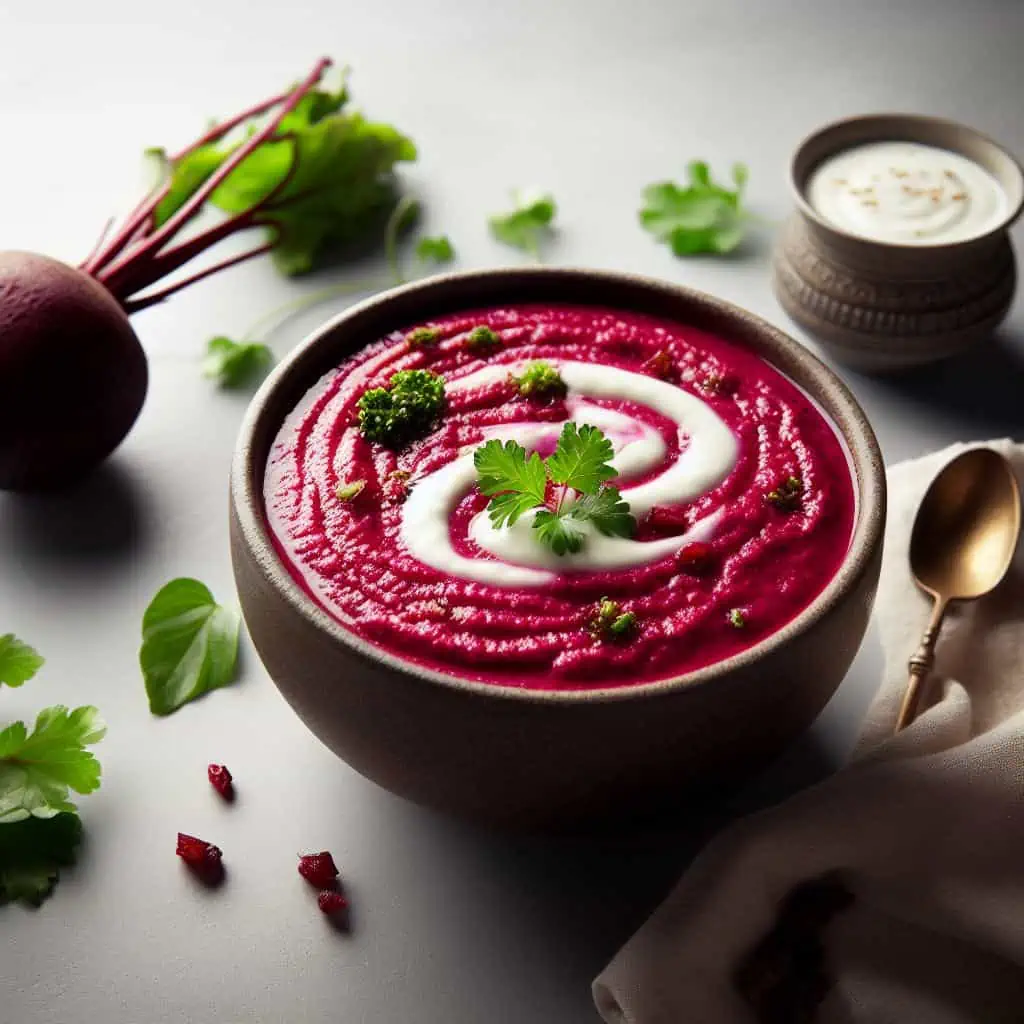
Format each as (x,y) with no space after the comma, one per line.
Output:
(348,491)
(611,623)
(482,340)
(737,618)
(38,768)
(702,216)
(786,495)
(403,411)
(435,250)
(189,645)
(421,336)
(541,380)
(525,226)
(517,483)
(234,364)
(18,662)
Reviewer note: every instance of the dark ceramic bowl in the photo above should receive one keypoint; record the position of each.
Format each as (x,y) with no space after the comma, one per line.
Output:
(547,759)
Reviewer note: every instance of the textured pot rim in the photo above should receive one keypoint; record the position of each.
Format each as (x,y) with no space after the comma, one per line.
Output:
(873,124)
(247,472)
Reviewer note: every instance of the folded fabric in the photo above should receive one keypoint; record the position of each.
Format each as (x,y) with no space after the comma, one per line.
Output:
(925,830)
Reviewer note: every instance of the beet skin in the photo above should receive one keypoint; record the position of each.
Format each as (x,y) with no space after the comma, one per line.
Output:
(73,375)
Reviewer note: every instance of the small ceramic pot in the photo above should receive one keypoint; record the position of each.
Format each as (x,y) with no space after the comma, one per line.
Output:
(880,306)
(547,758)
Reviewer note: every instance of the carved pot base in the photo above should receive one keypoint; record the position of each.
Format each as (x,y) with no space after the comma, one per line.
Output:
(877,319)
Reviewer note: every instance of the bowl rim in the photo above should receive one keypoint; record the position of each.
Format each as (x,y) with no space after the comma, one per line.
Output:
(869,124)
(868,472)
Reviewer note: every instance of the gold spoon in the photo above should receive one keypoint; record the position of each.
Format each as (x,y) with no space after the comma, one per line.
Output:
(961,546)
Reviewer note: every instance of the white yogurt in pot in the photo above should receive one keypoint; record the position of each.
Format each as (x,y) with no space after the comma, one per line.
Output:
(906,193)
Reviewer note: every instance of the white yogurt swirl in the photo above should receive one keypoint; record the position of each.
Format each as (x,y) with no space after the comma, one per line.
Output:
(906,193)
(519,559)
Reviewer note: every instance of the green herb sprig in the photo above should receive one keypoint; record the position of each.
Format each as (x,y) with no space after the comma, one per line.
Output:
(702,216)
(579,468)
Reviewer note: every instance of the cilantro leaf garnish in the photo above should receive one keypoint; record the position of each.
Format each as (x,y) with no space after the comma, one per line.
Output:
(581,459)
(607,511)
(235,363)
(18,662)
(38,768)
(32,852)
(437,249)
(527,224)
(189,645)
(514,482)
(517,483)
(403,411)
(701,216)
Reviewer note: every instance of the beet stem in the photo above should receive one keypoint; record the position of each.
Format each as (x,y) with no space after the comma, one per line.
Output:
(145,301)
(84,265)
(137,219)
(143,254)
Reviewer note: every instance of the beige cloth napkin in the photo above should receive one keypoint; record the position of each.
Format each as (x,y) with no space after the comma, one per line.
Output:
(927,828)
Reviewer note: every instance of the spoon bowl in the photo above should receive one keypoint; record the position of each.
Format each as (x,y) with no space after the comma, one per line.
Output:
(962,545)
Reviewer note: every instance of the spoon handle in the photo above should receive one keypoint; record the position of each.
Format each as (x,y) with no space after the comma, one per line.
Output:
(920,665)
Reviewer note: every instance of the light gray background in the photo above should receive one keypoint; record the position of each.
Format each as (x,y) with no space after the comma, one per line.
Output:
(589,98)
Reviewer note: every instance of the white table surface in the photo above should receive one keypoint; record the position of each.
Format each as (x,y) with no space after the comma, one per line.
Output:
(589,98)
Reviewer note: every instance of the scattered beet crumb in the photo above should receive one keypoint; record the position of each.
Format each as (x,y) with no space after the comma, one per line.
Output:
(330,901)
(668,517)
(318,869)
(660,365)
(695,558)
(220,779)
(198,853)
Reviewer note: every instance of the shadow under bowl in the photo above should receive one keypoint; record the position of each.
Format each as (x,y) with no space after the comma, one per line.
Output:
(548,759)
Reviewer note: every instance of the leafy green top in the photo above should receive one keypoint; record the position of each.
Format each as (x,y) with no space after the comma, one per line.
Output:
(18,662)
(403,411)
(332,169)
(702,216)
(189,645)
(516,483)
(38,768)
(524,226)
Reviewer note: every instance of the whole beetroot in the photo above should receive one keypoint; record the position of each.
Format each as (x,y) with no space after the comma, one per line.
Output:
(72,372)
(73,375)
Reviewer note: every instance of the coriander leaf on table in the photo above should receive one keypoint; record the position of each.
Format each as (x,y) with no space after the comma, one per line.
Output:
(438,249)
(514,482)
(32,852)
(235,363)
(38,768)
(581,458)
(18,662)
(189,645)
(699,217)
(527,224)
